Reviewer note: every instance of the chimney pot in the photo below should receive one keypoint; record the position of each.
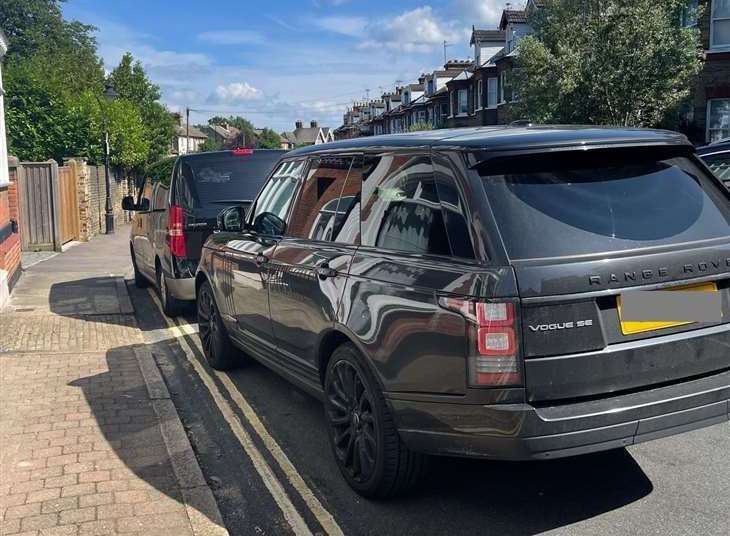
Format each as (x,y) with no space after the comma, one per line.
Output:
(313,124)
(299,124)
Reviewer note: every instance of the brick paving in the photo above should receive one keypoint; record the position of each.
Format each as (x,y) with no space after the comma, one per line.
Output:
(81,447)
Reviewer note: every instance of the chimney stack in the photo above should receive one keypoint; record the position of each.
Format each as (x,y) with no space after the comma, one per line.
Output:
(313,124)
(299,124)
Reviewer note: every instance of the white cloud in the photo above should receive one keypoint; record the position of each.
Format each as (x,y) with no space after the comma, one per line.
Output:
(484,13)
(231,37)
(235,92)
(350,26)
(417,30)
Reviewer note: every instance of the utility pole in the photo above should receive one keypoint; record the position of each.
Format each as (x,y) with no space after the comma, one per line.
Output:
(187,130)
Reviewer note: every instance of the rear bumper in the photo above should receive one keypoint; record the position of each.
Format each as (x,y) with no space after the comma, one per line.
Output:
(182,289)
(522,431)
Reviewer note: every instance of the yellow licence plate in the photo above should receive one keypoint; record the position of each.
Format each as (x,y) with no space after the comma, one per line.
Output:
(633,328)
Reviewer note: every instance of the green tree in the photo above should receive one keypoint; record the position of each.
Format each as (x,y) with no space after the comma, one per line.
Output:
(210,145)
(268,139)
(615,62)
(132,84)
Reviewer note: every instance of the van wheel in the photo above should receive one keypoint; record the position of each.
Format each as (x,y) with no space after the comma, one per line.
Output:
(171,306)
(367,447)
(140,281)
(217,346)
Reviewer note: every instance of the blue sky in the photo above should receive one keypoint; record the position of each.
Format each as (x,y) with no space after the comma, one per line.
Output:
(280,60)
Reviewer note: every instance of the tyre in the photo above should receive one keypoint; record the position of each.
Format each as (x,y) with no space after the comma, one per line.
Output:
(171,306)
(367,447)
(140,281)
(217,346)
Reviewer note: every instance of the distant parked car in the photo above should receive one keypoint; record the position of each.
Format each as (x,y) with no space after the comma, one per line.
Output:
(174,215)
(464,292)
(717,157)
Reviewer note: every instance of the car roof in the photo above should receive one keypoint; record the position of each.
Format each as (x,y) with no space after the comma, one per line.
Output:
(219,154)
(505,138)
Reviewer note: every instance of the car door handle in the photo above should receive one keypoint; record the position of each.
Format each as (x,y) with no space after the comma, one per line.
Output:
(261,260)
(324,271)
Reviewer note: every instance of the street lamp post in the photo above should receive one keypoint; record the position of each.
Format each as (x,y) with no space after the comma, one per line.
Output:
(109,94)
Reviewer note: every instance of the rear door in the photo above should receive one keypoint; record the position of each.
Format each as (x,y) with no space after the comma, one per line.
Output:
(308,269)
(581,230)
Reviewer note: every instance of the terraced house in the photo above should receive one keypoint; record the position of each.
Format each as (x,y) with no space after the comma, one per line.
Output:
(480,92)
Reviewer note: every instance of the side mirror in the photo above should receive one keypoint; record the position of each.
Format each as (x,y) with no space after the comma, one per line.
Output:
(268,223)
(232,219)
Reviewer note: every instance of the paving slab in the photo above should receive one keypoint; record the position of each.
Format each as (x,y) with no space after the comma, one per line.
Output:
(90,442)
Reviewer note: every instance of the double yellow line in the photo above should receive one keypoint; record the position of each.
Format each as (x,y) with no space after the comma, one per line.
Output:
(180,330)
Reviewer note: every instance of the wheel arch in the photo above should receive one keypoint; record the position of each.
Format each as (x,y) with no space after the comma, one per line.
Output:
(333,339)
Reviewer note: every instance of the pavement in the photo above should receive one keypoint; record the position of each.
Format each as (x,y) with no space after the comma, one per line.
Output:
(89,359)
(90,441)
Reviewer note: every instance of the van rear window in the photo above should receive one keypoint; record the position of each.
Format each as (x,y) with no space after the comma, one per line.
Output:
(225,179)
(588,203)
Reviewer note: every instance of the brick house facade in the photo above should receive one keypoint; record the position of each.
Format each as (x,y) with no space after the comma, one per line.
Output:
(709,117)
(9,237)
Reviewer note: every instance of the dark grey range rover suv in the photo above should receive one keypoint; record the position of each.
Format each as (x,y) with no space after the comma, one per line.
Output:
(460,292)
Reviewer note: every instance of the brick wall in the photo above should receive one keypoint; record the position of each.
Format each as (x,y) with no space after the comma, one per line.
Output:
(91,187)
(10,245)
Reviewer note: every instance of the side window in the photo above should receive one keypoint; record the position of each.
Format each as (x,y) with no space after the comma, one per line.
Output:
(146,193)
(316,213)
(184,186)
(161,195)
(277,194)
(347,223)
(455,213)
(400,205)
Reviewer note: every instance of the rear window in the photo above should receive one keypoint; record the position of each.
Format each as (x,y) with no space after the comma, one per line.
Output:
(578,204)
(224,180)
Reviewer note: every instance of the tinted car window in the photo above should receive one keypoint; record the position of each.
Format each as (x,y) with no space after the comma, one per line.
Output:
(209,182)
(455,214)
(548,207)
(347,219)
(277,194)
(146,193)
(401,209)
(161,193)
(315,215)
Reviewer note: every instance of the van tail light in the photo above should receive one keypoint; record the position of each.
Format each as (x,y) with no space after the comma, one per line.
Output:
(175,234)
(494,356)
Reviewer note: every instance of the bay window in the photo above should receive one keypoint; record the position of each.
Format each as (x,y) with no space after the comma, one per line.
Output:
(462,107)
(491,92)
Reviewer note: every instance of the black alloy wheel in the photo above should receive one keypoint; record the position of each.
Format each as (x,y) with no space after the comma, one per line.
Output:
(217,347)
(365,441)
(350,412)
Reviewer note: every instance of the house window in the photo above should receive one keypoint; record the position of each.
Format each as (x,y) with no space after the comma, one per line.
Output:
(720,24)
(718,119)
(480,94)
(491,92)
(430,87)
(502,87)
(462,102)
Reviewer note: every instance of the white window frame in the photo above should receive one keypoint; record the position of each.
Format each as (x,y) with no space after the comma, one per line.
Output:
(502,84)
(492,81)
(713,20)
(480,95)
(709,130)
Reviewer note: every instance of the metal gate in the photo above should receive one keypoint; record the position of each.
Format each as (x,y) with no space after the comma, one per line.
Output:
(38,198)
(69,205)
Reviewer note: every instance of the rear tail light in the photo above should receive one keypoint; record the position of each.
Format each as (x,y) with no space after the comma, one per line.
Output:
(242,151)
(175,234)
(493,349)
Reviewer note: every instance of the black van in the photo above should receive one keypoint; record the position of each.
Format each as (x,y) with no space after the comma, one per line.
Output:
(482,292)
(176,214)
